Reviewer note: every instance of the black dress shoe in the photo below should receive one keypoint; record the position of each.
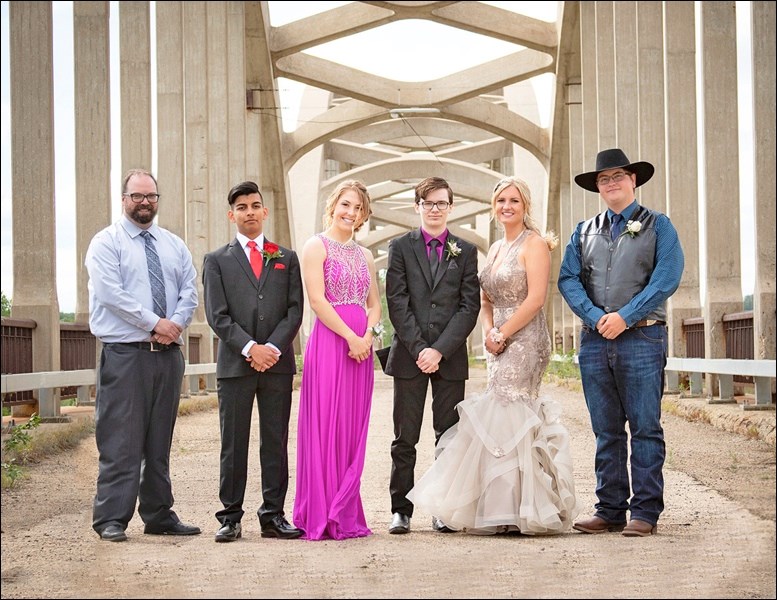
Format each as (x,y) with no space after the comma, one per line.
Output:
(177,529)
(113,533)
(399,523)
(279,527)
(441,527)
(229,532)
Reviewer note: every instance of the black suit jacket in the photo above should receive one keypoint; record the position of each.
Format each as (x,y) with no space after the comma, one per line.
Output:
(425,313)
(239,308)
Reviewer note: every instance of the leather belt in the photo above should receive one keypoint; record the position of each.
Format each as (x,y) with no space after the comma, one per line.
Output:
(150,346)
(648,323)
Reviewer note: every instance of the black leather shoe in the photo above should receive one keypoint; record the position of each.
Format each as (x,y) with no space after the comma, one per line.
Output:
(399,523)
(279,527)
(113,533)
(441,527)
(229,532)
(177,529)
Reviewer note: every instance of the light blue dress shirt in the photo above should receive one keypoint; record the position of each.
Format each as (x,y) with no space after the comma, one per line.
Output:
(120,305)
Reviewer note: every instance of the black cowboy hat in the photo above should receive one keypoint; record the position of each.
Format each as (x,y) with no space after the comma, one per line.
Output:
(614,158)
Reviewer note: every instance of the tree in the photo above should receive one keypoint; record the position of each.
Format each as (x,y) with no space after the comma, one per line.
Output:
(5,304)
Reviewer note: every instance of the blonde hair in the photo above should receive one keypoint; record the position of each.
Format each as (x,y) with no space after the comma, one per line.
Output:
(364,196)
(528,220)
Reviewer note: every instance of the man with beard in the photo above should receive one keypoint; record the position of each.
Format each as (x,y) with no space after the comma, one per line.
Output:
(142,295)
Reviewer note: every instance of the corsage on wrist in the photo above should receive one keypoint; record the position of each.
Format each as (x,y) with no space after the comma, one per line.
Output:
(377,329)
(496,336)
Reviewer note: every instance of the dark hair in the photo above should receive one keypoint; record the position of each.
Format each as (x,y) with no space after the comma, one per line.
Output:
(243,189)
(136,173)
(430,184)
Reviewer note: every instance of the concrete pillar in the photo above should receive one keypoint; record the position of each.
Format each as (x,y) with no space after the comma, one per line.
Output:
(171,144)
(590,95)
(259,76)
(575,194)
(171,141)
(135,83)
(605,75)
(236,99)
(682,185)
(652,131)
(627,91)
(32,172)
(92,90)
(219,227)
(569,321)
(198,194)
(763,40)
(721,166)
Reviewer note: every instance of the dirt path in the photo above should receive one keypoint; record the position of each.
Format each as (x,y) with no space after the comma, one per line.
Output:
(716,538)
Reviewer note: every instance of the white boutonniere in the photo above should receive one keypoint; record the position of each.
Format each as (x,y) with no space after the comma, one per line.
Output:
(633,227)
(452,250)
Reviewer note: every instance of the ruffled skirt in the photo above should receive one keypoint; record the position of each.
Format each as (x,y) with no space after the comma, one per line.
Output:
(502,468)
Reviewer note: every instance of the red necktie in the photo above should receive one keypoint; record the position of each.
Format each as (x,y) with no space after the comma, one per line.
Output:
(256,258)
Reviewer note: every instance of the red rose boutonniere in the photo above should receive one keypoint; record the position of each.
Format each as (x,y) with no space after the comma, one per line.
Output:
(270,251)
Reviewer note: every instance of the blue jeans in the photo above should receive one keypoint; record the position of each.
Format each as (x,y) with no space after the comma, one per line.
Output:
(623,381)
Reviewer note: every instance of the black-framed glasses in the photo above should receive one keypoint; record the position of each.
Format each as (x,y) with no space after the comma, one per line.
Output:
(441,205)
(615,178)
(138,198)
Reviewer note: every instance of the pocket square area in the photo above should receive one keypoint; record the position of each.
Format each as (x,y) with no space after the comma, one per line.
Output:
(280,266)
(452,265)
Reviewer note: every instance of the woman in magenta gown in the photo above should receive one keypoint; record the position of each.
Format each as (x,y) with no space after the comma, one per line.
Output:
(337,372)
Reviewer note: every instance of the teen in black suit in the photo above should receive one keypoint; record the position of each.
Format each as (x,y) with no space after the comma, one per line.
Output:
(256,318)
(432,315)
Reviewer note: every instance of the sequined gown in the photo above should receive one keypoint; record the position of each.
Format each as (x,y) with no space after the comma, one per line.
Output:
(506,466)
(334,409)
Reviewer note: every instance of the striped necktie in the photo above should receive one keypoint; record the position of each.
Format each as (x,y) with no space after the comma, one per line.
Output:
(155,276)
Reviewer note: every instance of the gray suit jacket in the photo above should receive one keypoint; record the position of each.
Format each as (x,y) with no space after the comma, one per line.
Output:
(239,308)
(425,313)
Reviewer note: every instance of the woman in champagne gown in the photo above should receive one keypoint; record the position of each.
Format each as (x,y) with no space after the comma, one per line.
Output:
(338,372)
(506,466)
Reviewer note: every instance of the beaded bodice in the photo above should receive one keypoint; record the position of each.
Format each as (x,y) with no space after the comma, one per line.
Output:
(346,274)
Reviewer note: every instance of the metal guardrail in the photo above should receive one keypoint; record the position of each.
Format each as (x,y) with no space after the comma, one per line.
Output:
(762,372)
(47,382)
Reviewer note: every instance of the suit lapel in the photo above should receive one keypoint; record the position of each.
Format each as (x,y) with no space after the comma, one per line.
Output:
(419,247)
(237,251)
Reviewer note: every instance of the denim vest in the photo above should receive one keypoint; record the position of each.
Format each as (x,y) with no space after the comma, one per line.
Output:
(613,272)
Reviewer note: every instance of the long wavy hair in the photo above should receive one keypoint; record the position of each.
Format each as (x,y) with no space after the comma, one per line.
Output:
(364,196)
(528,220)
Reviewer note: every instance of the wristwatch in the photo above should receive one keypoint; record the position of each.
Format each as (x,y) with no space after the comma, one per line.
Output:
(377,330)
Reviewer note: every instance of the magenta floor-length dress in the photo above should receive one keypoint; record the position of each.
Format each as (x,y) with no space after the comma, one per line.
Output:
(334,409)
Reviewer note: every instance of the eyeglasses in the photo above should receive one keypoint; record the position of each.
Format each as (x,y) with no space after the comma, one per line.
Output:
(138,198)
(615,178)
(441,206)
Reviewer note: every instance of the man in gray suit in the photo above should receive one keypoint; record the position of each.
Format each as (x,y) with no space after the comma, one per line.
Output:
(253,302)
(433,299)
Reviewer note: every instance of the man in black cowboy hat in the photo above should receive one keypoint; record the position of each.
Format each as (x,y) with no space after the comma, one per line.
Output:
(619,268)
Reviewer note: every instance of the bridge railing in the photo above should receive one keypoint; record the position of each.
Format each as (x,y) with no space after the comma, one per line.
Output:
(46,383)
(78,357)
